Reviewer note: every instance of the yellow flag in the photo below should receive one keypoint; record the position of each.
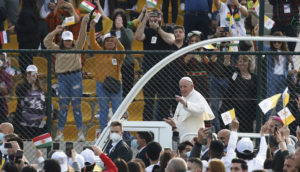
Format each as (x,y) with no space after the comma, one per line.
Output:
(228,116)
(286,116)
(285,97)
(269,103)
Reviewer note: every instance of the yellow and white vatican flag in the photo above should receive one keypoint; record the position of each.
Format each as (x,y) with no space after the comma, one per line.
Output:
(269,103)
(285,97)
(228,116)
(286,116)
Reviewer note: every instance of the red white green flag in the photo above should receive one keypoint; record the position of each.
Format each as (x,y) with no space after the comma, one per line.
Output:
(42,141)
(87,6)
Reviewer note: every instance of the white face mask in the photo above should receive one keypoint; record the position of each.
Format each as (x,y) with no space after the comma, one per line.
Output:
(3,150)
(115,137)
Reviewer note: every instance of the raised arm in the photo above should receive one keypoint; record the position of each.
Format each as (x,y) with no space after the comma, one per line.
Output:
(139,34)
(243,10)
(48,41)
(217,4)
(93,43)
(100,9)
(82,33)
(169,38)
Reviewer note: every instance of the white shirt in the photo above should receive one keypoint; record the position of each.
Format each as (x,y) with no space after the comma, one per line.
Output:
(114,145)
(150,167)
(230,152)
(189,119)
(279,66)
(257,163)
(238,27)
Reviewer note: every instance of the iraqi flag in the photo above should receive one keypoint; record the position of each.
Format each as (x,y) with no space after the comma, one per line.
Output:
(4,36)
(87,6)
(42,141)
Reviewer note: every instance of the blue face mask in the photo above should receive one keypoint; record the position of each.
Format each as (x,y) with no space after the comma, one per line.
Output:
(203,148)
(134,144)
(188,154)
(1,137)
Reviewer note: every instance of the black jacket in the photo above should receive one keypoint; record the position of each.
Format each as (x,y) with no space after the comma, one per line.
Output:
(142,155)
(121,150)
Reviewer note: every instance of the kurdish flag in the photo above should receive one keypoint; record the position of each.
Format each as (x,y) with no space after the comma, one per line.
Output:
(285,97)
(96,16)
(69,21)
(151,3)
(286,116)
(42,141)
(228,116)
(4,37)
(87,6)
(269,103)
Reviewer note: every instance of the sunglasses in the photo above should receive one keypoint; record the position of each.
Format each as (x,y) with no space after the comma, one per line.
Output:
(276,42)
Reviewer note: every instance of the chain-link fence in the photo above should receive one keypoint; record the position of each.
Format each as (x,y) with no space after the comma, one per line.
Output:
(84,100)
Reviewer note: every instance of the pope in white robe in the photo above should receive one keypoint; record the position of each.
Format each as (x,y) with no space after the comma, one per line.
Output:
(192,110)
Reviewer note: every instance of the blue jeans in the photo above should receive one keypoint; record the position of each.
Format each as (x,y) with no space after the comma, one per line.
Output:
(70,90)
(217,89)
(103,98)
(275,85)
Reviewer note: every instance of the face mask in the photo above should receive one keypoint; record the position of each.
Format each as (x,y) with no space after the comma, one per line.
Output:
(1,137)
(3,150)
(115,137)
(203,148)
(134,144)
(188,154)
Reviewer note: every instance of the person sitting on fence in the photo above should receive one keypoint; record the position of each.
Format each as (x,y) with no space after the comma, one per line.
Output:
(31,108)
(68,68)
(107,73)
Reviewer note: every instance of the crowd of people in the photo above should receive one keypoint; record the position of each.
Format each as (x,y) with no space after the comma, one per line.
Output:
(208,151)
(208,84)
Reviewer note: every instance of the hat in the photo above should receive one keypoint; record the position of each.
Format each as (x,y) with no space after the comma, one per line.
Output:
(187,78)
(79,159)
(88,156)
(276,118)
(244,144)
(32,68)
(62,158)
(67,35)
(194,32)
(155,13)
(108,35)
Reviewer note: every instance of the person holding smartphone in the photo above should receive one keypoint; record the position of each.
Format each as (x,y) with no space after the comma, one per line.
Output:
(233,15)
(107,73)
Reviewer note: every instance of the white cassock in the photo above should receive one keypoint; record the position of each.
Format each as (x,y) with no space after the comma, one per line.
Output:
(189,119)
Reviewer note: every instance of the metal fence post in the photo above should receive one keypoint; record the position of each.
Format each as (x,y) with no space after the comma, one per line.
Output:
(259,65)
(49,96)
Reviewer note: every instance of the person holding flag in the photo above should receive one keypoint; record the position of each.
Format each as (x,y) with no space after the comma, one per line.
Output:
(68,68)
(233,15)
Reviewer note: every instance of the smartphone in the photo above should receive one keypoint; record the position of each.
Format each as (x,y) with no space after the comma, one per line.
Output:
(7,145)
(55,146)
(19,154)
(69,147)
(275,129)
(225,29)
